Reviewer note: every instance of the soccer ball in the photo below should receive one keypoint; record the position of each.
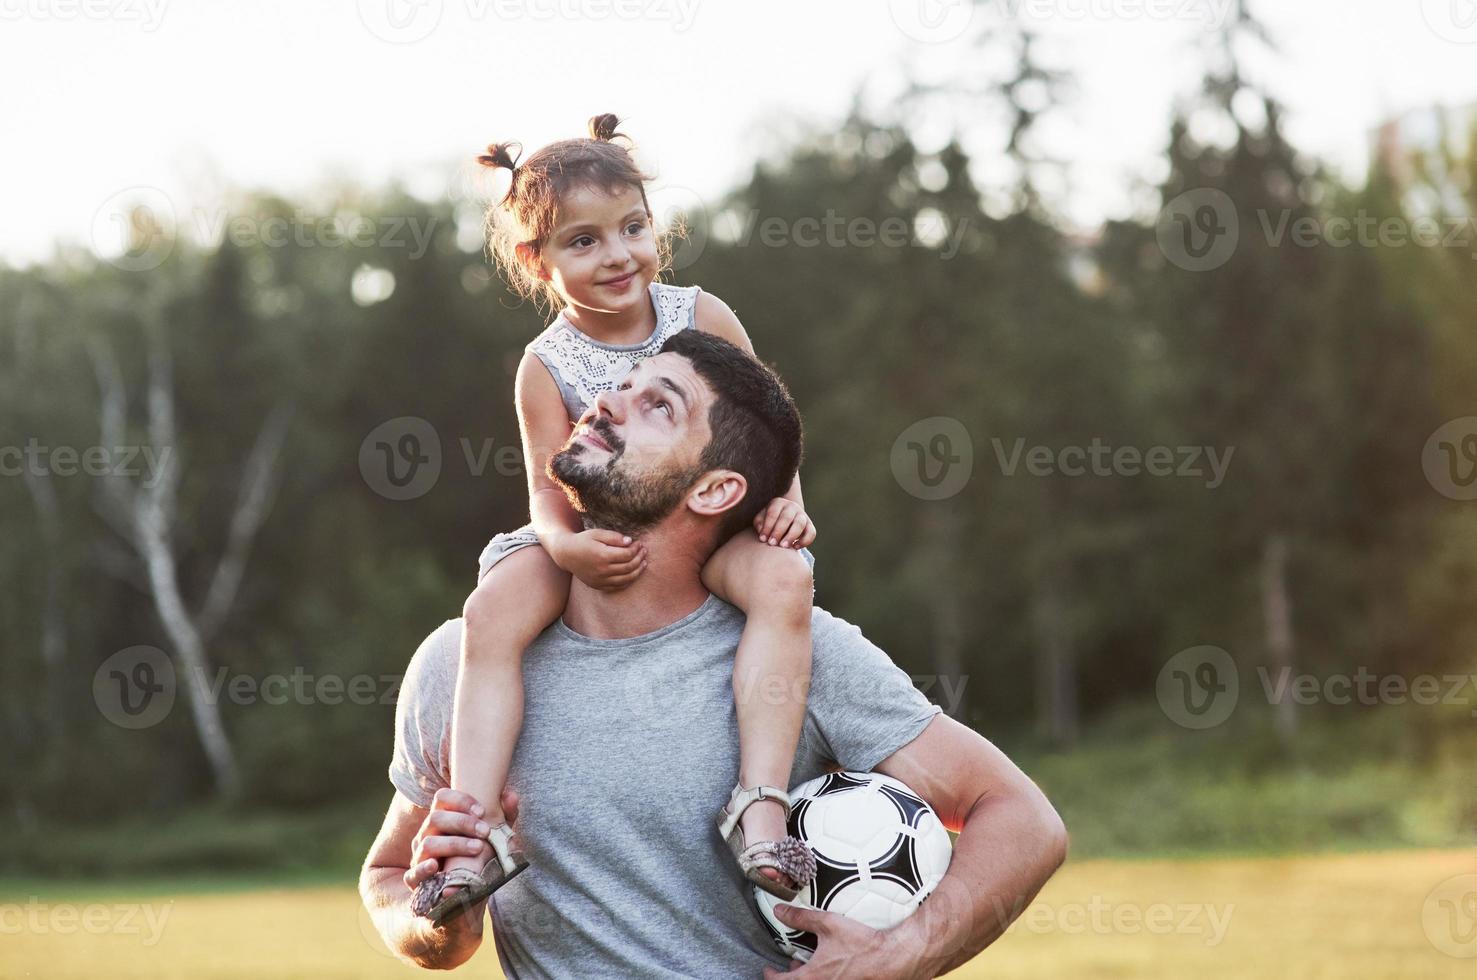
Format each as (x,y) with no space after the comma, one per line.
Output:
(879,851)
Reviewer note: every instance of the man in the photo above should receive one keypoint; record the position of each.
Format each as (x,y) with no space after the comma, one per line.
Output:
(630,740)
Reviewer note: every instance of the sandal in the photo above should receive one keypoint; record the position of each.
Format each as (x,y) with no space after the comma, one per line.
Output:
(790,856)
(504,865)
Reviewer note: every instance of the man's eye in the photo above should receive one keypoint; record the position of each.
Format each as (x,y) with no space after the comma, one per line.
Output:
(667,406)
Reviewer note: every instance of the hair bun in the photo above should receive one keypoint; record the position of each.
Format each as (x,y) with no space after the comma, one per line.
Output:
(500,155)
(602,127)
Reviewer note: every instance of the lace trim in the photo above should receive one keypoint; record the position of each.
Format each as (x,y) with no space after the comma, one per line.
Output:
(589,369)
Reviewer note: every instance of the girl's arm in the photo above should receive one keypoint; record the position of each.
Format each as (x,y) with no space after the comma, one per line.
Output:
(600,558)
(716,317)
(544,424)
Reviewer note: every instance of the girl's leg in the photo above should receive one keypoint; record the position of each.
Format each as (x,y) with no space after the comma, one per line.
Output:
(771,675)
(515,601)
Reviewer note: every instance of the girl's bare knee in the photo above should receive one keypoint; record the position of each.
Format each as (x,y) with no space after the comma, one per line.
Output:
(518,597)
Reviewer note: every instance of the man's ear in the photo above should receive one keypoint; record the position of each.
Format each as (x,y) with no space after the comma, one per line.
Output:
(717,491)
(531,261)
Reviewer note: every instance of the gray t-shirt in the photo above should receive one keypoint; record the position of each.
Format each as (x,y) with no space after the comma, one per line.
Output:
(628,749)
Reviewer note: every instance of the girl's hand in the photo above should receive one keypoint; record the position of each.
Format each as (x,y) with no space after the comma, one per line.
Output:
(604,560)
(784,524)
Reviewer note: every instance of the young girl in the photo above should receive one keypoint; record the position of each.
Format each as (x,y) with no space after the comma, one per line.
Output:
(576,229)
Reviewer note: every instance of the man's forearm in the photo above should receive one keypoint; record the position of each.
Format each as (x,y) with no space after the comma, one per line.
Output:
(1006,850)
(409,936)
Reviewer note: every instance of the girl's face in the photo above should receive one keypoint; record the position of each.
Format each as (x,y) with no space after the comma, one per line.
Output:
(602,253)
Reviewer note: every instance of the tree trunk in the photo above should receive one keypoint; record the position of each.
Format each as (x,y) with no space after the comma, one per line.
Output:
(1056,660)
(941,545)
(189,647)
(1277,622)
(53,611)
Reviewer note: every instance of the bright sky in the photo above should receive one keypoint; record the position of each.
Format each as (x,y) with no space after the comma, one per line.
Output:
(190,98)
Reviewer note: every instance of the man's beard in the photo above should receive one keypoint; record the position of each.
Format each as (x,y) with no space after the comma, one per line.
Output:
(606,497)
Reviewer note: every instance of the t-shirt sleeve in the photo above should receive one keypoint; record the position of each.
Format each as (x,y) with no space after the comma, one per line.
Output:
(862,706)
(421,763)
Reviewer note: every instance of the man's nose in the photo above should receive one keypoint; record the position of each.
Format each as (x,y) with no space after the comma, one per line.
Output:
(611,405)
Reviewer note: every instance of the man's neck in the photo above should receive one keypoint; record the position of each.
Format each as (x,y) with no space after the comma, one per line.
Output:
(671,587)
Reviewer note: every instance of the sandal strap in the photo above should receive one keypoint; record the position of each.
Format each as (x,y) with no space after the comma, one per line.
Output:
(741,799)
(790,856)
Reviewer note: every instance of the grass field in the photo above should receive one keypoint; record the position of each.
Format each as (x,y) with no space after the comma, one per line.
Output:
(1339,916)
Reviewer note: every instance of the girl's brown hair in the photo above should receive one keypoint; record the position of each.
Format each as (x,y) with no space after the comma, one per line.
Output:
(518,226)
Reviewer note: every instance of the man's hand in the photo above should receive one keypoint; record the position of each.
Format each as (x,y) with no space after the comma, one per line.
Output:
(454,827)
(785,524)
(604,560)
(846,948)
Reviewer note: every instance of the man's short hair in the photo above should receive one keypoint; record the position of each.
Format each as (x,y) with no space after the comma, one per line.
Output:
(754,426)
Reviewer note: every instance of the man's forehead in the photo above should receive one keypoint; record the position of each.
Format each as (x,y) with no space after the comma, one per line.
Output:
(676,367)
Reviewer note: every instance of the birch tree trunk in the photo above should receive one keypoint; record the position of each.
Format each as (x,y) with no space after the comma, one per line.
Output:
(145,515)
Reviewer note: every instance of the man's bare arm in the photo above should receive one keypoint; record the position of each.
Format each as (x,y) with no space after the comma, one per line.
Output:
(410,844)
(1011,840)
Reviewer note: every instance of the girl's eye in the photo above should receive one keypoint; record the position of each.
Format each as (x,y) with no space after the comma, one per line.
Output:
(635,227)
(582,241)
